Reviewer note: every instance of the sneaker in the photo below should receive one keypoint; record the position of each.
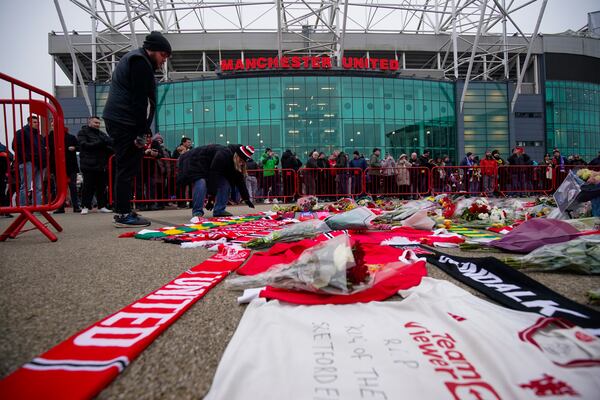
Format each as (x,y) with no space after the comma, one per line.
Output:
(77,210)
(84,211)
(267,201)
(196,218)
(223,214)
(275,201)
(59,211)
(130,220)
(105,210)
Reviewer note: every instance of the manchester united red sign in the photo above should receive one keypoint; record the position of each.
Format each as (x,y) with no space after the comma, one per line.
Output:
(307,62)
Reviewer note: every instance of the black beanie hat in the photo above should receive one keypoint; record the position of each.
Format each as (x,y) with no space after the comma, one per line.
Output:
(155,41)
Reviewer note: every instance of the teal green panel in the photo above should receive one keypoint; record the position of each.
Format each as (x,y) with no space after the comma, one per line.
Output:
(230,110)
(326,112)
(188,113)
(347,107)
(265,108)
(368,111)
(253,92)
(209,111)
(358,107)
(220,113)
(219,90)
(230,89)
(573,118)
(253,109)
(242,109)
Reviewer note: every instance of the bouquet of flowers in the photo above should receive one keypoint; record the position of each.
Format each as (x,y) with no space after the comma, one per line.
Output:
(590,176)
(358,218)
(497,216)
(546,201)
(306,203)
(581,255)
(387,205)
(333,267)
(448,207)
(478,210)
(342,205)
(366,201)
(299,231)
(538,211)
(283,208)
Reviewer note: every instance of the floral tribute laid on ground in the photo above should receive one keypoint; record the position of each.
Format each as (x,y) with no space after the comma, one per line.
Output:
(316,274)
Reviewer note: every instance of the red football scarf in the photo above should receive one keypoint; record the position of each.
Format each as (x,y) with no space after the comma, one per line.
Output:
(259,228)
(84,364)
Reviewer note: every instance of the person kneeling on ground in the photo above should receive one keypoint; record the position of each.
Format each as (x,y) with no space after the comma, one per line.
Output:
(212,170)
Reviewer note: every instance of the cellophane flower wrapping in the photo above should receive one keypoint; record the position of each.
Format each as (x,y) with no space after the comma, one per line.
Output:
(324,268)
(291,233)
(581,255)
(357,218)
(306,203)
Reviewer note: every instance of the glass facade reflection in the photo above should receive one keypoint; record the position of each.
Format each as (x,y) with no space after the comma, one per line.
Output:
(486,118)
(311,112)
(573,118)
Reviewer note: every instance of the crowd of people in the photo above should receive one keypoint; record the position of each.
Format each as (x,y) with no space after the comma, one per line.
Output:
(407,175)
(268,178)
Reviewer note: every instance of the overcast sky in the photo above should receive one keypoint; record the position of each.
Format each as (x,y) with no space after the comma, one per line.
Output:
(24,27)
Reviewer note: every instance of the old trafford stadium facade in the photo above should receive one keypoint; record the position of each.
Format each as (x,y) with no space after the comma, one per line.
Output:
(448,76)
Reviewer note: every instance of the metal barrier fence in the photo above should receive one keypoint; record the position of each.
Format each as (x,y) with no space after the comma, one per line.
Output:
(561,172)
(525,180)
(272,184)
(157,182)
(32,126)
(399,181)
(330,182)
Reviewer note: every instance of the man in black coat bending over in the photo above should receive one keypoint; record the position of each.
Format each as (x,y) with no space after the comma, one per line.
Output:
(212,170)
(128,115)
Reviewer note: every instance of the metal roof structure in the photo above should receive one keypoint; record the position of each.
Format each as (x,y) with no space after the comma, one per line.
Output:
(455,39)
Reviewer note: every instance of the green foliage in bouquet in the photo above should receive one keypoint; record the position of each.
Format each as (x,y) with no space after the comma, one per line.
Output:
(581,255)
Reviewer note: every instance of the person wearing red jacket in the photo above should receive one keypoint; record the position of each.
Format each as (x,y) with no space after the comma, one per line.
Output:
(489,171)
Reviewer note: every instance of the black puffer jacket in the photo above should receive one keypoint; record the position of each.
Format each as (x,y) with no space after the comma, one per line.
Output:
(211,162)
(71,156)
(290,161)
(95,147)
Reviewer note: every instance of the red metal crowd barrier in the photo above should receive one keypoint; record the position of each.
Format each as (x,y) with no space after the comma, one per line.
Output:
(157,182)
(526,179)
(330,182)
(33,128)
(398,181)
(272,184)
(462,180)
(561,172)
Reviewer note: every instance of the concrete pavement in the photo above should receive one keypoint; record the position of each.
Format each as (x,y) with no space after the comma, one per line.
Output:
(50,291)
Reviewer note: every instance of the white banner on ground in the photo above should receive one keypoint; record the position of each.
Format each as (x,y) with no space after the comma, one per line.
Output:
(439,343)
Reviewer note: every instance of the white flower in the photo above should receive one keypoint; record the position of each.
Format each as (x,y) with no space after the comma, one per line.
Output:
(483,216)
(496,215)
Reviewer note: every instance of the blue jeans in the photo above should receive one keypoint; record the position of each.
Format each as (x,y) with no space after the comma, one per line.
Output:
(199,193)
(25,184)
